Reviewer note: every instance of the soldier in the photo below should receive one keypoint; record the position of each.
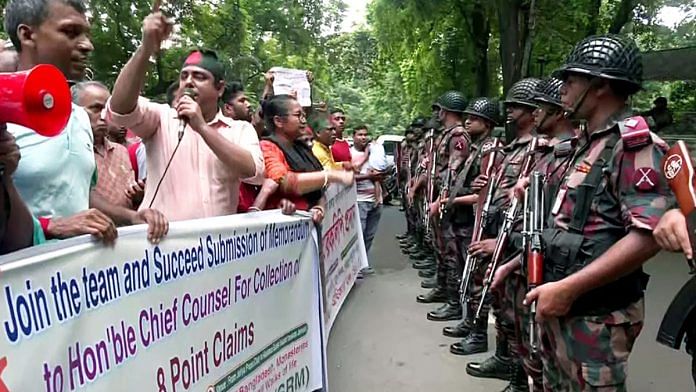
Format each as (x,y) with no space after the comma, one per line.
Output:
(405,176)
(452,151)
(482,116)
(520,107)
(591,307)
(551,160)
(415,239)
(423,255)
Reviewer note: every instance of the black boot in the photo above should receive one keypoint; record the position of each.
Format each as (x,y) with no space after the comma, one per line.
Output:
(423,264)
(402,236)
(518,381)
(413,249)
(452,310)
(433,296)
(429,283)
(418,255)
(460,330)
(497,366)
(427,273)
(476,342)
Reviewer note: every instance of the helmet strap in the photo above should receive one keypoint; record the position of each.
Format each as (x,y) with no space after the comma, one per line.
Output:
(570,113)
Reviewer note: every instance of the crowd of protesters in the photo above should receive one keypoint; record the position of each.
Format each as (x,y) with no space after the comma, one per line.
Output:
(123,159)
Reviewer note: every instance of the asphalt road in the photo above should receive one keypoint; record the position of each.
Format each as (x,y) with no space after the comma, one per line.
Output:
(382,341)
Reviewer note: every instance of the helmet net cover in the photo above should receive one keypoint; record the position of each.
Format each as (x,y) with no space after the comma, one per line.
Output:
(485,108)
(452,101)
(522,93)
(611,57)
(549,91)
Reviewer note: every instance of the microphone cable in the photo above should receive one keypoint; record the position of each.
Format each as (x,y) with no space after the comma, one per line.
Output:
(190,93)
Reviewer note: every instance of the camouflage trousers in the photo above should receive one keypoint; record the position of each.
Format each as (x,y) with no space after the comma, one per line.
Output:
(504,311)
(590,353)
(474,292)
(531,361)
(451,244)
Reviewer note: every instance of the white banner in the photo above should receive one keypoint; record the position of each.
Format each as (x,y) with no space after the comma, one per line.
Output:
(286,80)
(222,304)
(343,249)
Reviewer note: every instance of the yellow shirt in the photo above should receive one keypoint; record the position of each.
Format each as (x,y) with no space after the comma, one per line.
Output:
(323,154)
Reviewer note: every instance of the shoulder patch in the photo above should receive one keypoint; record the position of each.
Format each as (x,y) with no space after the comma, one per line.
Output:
(635,133)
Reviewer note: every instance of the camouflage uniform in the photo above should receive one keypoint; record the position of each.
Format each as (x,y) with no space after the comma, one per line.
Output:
(588,348)
(551,161)
(507,175)
(453,151)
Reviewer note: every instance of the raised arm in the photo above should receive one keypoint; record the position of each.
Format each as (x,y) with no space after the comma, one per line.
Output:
(124,99)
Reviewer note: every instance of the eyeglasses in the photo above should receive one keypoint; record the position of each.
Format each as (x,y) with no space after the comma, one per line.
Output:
(299,115)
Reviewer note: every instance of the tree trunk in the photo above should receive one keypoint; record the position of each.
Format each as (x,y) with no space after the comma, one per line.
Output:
(623,15)
(481,29)
(527,56)
(593,12)
(513,32)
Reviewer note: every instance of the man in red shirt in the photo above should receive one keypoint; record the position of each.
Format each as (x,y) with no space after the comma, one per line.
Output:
(340,149)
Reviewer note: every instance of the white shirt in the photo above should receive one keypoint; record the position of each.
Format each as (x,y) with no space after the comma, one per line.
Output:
(55,174)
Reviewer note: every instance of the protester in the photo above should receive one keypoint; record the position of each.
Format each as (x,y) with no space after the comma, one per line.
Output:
(290,163)
(325,135)
(18,228)
(55,175)
(114,174)
(235,103)
(370,161)
(226,151)
(341,147)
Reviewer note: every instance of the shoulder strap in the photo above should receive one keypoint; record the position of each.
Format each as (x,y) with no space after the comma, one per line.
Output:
(586,190)
(635,133)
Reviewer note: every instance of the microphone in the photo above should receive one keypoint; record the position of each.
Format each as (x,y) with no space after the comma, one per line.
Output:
(183,121)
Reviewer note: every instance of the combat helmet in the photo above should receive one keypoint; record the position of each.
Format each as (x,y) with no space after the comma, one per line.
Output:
(522,93)
(549,91)
(451,101)
(485,108)
(608,57)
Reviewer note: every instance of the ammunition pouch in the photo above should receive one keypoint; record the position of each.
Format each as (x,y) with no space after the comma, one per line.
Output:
(566,253)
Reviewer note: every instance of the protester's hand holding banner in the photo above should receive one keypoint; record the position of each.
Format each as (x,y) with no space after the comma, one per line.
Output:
(221,304)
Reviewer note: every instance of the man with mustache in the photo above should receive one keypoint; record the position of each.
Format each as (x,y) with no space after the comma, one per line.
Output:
(213,152)
(55,175)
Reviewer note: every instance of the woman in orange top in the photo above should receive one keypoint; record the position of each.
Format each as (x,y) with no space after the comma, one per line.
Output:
(290,163)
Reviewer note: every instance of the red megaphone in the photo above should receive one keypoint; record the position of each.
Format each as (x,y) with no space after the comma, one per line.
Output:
(38,99)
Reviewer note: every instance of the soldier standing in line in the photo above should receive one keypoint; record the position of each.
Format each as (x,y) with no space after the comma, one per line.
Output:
(591,307)
(552,160)
(452,153)
(483,115)
(520,107)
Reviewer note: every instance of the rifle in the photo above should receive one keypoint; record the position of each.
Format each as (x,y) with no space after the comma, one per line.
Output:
(533,252)
(444,193)
(482,207)
(429,185)
(508,223)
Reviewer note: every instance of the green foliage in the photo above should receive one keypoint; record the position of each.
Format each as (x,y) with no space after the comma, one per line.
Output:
(412,51)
